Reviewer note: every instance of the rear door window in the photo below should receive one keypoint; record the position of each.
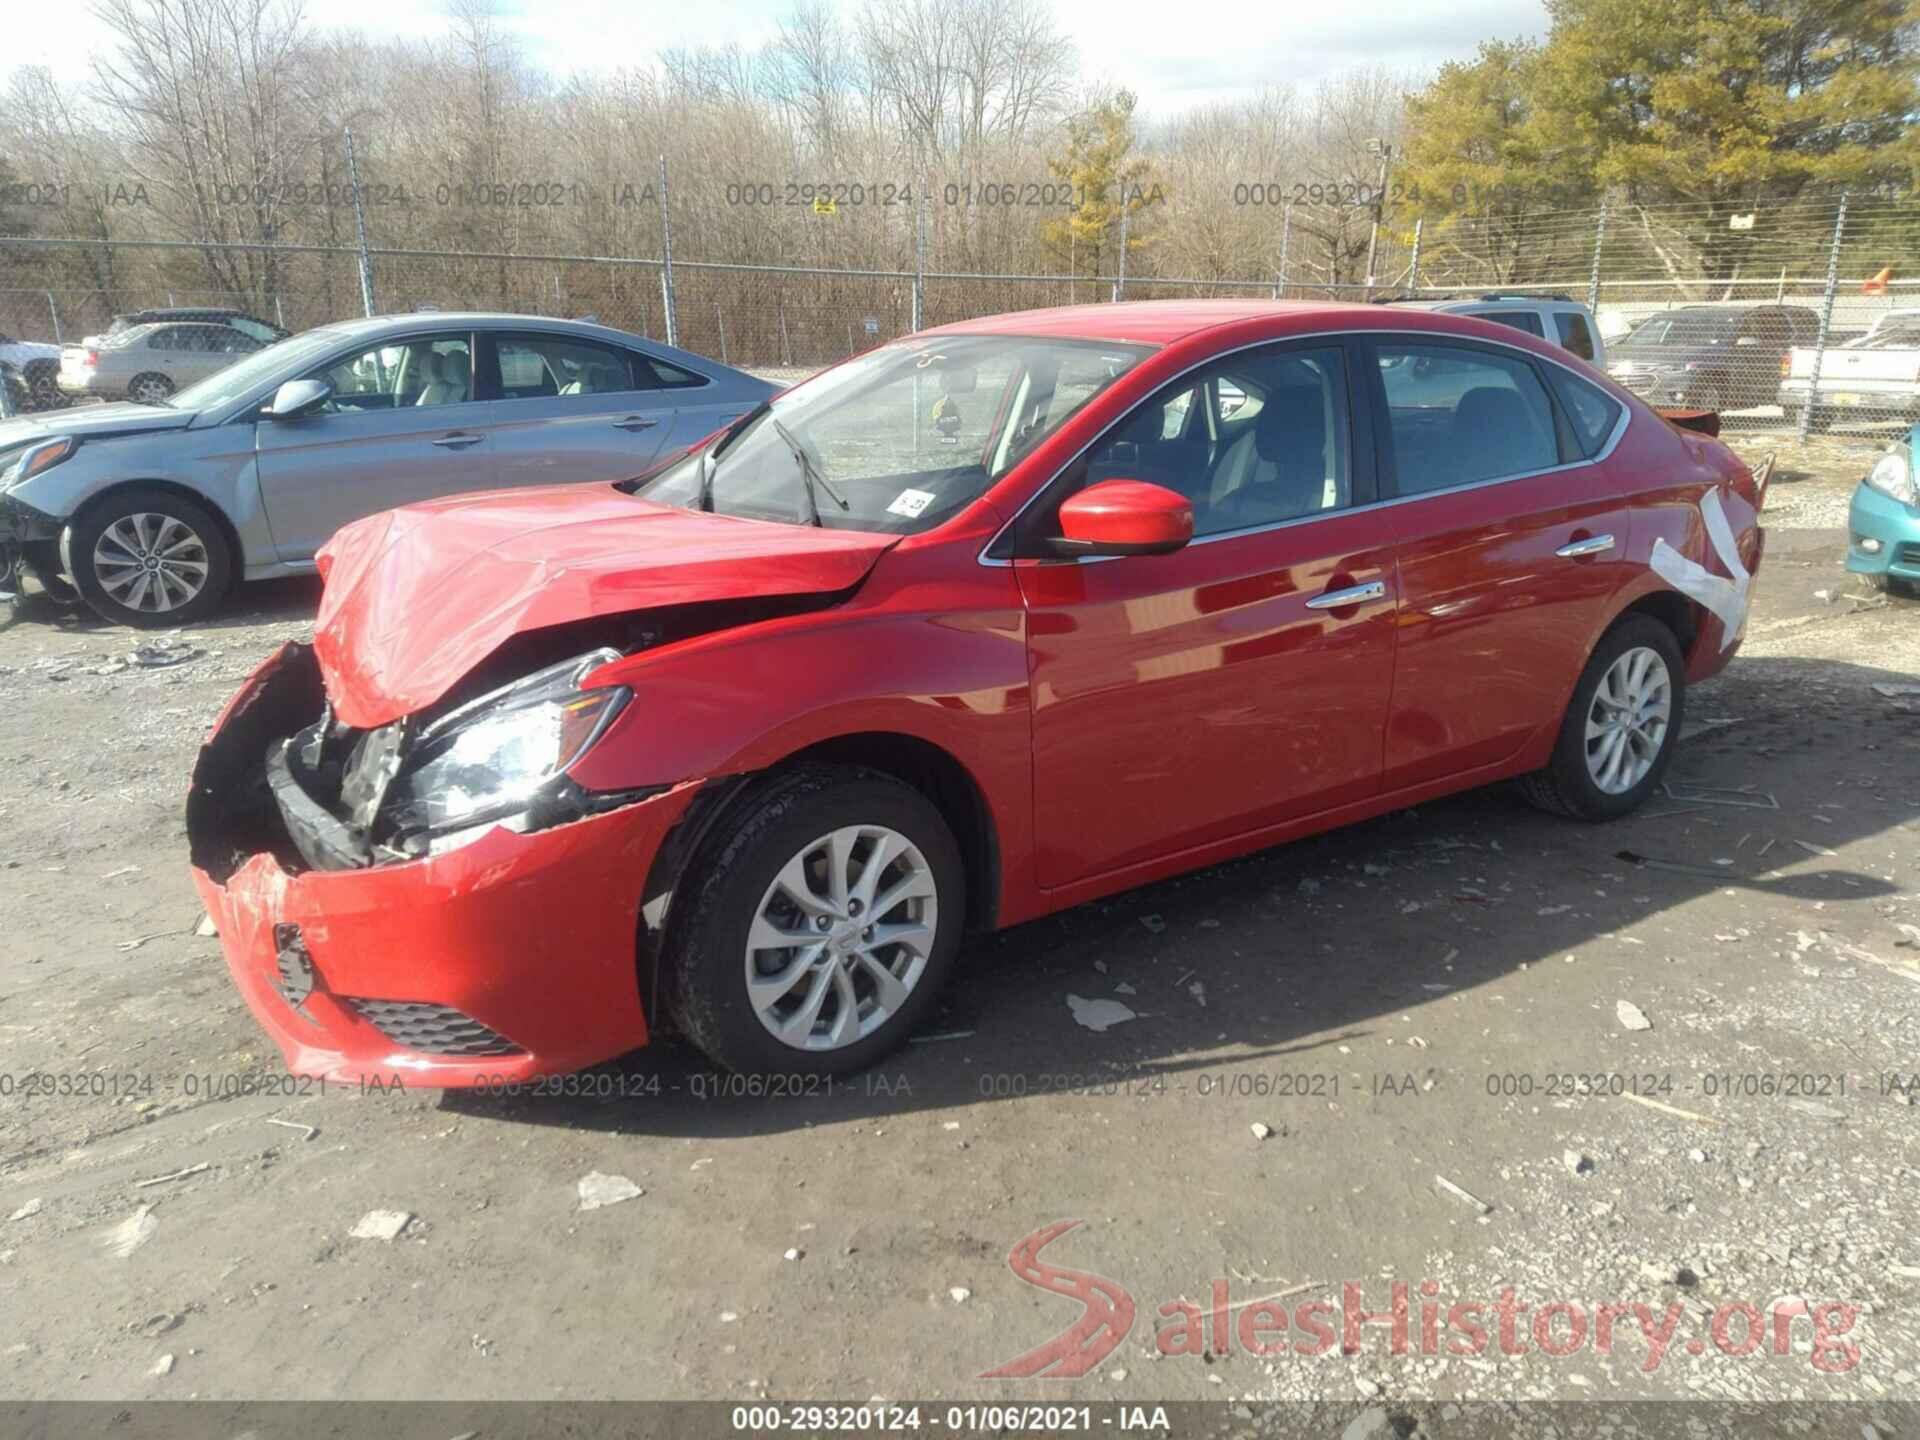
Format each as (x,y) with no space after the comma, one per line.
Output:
(533,366)
(1459,416)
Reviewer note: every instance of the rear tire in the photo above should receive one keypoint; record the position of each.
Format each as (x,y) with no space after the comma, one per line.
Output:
(771,875)
(149,389)
(149,558)
(1618,735)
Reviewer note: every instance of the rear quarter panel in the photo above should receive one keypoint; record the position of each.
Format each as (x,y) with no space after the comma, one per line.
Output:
(1669,474)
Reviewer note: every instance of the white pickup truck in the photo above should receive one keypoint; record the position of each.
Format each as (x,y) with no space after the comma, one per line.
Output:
(1876,374)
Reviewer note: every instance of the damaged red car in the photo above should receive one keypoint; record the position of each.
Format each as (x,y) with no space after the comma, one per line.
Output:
(987,622)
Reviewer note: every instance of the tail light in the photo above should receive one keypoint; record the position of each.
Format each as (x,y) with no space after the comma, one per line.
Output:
(91,358)
(1786,364)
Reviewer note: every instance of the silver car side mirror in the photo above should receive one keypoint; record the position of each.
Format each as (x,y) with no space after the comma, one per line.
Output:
(297,398)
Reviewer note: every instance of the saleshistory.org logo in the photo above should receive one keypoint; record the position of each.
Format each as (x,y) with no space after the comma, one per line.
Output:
(1432,1327)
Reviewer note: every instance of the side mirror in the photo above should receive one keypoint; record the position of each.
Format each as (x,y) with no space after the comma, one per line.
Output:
(297,398)
(1124,517)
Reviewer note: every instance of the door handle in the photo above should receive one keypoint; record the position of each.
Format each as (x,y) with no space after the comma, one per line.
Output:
(635,422)
(1352,595)
(457,440)
(1594,545)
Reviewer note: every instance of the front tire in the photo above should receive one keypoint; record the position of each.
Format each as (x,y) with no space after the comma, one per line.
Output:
(861,874)
(1620,728)
(149,558)
(43,385)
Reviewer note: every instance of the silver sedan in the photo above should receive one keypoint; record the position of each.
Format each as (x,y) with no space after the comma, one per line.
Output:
(154,510)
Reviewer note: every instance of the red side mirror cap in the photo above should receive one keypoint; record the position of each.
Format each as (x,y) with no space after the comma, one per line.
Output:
(1124,517)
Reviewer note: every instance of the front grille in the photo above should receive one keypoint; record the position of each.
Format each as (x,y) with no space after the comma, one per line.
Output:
(431,1029)
(1907,555)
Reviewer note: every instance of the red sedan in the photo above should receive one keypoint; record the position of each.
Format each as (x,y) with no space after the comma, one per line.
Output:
(985,623)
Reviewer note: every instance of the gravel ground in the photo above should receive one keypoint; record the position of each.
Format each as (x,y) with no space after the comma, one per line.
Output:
(1342,1066)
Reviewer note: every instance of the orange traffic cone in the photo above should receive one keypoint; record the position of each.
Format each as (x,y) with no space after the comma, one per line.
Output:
(1878,284)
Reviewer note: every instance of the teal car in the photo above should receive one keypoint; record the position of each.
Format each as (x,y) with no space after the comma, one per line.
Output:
(1883,524)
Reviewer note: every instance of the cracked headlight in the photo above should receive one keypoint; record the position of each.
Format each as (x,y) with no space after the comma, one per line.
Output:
(497,757)
(1892,475)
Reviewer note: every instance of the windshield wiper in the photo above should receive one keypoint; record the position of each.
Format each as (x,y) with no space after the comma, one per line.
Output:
(809,476)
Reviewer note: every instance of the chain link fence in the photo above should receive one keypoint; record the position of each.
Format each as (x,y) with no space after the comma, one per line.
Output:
(1806,317)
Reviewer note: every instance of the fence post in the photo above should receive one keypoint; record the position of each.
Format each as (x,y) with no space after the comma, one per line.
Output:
(1286,239)
(666,258)
(53,309)
(1593,278)
(1120,276)
(785,349)
(1826,321)
(920,257)
(360,227)
(720,319)
(1413,273)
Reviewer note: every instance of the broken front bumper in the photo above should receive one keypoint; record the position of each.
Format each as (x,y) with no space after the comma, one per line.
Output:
(510,957)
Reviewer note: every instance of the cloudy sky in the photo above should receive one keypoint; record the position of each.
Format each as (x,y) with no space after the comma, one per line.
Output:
(1173,58)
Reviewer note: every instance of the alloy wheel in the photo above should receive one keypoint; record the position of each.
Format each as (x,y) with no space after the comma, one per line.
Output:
(841,937)
(1628,719)
(150,562)
(149,390)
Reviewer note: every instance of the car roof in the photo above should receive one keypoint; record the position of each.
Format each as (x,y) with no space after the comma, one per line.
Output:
(1164,322)
(375,327)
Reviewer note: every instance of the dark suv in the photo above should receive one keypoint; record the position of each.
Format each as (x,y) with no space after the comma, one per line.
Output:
(1711,357)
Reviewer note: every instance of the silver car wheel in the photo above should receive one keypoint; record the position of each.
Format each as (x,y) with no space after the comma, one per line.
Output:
(149,390)
(841,937)
(150,562)
(1627,722)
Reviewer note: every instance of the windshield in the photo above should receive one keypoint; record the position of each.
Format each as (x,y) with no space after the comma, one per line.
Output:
(1681,329)
(288,356)
(900,438)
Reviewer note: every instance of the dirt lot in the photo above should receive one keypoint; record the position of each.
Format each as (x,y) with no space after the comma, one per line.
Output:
(1391,1005)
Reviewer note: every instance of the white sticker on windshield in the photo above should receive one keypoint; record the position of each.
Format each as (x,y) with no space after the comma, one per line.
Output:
(910,503)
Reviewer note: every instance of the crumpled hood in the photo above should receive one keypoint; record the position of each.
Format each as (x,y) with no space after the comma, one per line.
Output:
(91,422)
(417,597)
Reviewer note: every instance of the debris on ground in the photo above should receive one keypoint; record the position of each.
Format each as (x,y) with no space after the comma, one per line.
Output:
(795,1253)
(1467,1195)
(311,1130)
(1576,1163)
(161,653)
(162,1366)
(1719,795)
(959,1294)
(1261,1132)
(598,1190)
(1153,923)
(1099,1015)
(201,1168)
(206,926)
(131,1233)
(1631,1016)
(380,1225)
(27,1211)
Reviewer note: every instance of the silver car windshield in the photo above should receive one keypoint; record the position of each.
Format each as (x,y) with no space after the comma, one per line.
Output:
(900,438)
(291,356)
